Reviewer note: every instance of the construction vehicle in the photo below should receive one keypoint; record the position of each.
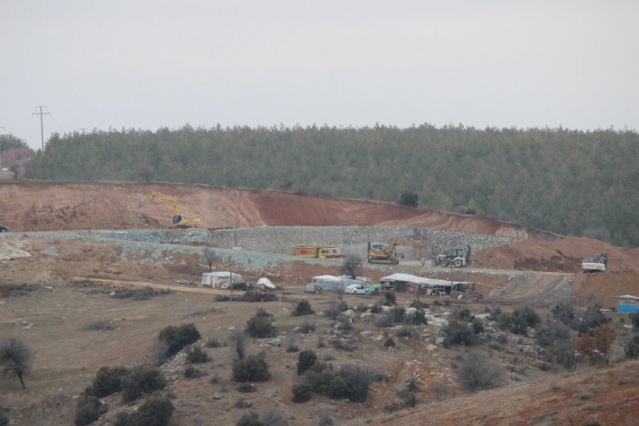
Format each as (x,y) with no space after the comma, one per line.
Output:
(455,257)
(387,253)
(179,220)
(598,263)
(318,252)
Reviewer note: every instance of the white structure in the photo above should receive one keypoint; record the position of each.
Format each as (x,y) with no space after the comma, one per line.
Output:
(628,304)
(411,283)
(333,283)
(266,283)
(220,279)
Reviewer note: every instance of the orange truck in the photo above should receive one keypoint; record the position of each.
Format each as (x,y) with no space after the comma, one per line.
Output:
(319,252)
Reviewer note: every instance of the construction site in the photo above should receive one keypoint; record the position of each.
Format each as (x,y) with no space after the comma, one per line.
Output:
(75,244)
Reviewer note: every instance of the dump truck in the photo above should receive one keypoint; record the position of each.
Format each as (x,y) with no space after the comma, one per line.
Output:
(318,252)
(595,264)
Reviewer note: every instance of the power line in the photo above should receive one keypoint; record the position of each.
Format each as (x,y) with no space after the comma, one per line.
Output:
(41,123)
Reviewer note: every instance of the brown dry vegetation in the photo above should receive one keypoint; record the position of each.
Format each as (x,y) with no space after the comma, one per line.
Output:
(76,282)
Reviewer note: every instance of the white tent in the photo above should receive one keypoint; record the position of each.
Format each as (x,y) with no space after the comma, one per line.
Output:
(333,283)
(266,283)
(220,279)
(410,283)
(413,279)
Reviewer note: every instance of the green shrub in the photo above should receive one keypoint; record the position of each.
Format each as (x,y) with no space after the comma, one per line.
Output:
(408,198)
(260,327)
(302,393)
(108,380)
(591,319)
(88,409)
(631,350)
(478,326)
(254,368)
(307,328)
(494,312)
(191,372)
(564,312)
(176,338)
(344,344)
(326,420)
(196,355)
(531,317)
(398,314)
(141,380)
(247,388)
(407,397)
(515,325)
(389,298)
(335,309)
(458,332)
(100,325)
(476,373)
(564,354)
(144,293)
(271,418)
(250,419)
(155,411)
(519,321)
(404,331)
(417,318)
(464,315)
(345,322)
(303,308)
(305,361)
(350,381)
(292,347)
(256,297)
(376,309)
(389,343)
(213,342)
(385,320)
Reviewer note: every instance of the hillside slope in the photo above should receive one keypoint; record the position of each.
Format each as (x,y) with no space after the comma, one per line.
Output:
(42,206)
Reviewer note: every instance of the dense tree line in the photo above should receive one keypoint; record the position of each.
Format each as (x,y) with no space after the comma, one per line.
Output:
(567,181)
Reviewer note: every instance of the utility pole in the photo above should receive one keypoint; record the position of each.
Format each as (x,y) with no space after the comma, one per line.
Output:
(1,149)
(41,124)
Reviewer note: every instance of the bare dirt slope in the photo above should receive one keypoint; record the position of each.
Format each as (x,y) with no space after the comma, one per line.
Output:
(33,206)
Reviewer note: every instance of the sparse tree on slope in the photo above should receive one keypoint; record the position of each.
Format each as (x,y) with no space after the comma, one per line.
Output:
(15,357)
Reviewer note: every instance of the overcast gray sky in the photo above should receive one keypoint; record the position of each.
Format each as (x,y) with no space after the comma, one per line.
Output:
(147,64)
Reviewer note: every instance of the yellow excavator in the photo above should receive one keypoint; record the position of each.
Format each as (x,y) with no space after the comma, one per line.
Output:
(179,220)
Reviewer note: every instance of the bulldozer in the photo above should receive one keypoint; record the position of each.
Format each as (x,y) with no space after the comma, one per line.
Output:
(387,253)
(455,257)
(179,220)
(596,264)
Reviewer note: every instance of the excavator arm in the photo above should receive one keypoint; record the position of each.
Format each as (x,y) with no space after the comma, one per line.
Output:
(166,200)
(178,219)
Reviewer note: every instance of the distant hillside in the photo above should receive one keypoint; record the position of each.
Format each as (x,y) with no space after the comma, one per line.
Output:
(569,182)
(48,206)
